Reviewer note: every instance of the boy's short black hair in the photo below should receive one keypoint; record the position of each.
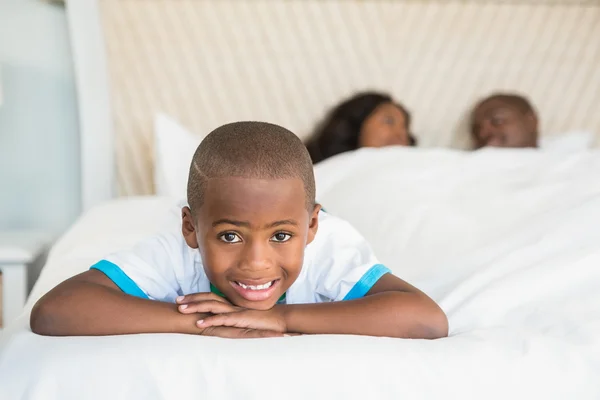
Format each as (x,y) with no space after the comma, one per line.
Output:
(249,149)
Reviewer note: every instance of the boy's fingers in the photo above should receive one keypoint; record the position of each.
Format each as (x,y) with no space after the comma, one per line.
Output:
(220,331)
(207,306)
(257,333)
(222,320)
(242,320)
(195,297)
(237,333)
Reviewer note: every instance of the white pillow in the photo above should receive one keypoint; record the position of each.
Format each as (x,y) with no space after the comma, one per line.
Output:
(174,148)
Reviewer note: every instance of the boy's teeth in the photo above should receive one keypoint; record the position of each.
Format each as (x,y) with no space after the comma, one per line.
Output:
(256,287)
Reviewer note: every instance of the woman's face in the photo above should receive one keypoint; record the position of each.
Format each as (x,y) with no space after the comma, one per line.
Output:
(386,126)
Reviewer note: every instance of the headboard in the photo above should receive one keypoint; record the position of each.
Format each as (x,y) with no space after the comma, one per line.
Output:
(207,62)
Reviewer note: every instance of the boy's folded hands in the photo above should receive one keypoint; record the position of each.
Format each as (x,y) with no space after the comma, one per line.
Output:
(229,321)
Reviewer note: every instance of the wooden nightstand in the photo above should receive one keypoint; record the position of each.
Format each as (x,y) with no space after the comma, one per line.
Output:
(17,250)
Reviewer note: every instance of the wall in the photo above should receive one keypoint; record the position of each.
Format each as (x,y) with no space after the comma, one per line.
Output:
(39,149)
(288,61)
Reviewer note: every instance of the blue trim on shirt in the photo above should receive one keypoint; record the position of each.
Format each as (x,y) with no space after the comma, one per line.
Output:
(120,278)
(367,281)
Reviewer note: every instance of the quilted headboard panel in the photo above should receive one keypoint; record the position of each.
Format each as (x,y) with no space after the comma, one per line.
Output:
(287,61)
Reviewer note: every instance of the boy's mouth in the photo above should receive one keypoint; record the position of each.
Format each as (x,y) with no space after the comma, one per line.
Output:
(255,292)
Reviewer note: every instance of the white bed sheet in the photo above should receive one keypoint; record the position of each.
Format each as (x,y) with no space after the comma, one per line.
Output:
(508,242)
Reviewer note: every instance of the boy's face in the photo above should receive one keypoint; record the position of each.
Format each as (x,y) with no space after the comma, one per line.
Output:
(251,234)
(497,123)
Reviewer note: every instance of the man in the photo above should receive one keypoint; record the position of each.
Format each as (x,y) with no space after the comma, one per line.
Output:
(504,120)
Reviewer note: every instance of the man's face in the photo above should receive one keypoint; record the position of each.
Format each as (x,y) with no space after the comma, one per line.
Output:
(497,123)
(251,234)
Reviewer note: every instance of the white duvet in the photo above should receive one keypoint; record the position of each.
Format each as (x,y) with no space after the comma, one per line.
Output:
(508,242)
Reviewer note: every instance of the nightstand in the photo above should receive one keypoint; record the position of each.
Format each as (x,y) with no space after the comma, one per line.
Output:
(18,249)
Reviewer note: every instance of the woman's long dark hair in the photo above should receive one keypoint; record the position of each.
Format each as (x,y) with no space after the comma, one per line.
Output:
(340,130)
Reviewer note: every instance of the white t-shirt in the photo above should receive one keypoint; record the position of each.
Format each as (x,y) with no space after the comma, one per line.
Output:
(338,265)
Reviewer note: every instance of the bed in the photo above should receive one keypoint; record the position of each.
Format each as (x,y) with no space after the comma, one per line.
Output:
(506,241)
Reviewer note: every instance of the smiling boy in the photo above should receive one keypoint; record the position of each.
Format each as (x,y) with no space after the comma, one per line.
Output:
(255,257)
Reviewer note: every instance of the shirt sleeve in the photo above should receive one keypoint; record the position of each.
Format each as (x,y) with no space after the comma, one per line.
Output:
(343,265)
(148,270)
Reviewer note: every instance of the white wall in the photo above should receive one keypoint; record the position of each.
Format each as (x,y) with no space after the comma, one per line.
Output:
(39,153)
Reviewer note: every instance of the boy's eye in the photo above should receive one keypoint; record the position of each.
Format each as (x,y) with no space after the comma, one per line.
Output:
(281,237)
(230,237)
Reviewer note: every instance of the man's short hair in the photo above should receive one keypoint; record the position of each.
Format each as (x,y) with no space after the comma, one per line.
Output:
(249,149)
(520,102)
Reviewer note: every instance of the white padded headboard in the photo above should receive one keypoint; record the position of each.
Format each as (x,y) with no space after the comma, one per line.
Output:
(288,61)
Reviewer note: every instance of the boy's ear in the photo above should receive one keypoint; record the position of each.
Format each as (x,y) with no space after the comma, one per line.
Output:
(187,228)
(313,223)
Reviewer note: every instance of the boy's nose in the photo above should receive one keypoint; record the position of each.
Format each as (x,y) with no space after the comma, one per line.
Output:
(256,257)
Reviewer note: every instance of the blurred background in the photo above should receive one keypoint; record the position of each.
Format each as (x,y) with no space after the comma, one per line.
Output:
(190,60)
(436,57)
(39,144)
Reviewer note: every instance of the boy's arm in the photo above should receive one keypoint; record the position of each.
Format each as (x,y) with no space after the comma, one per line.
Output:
(391,308)
(91,304)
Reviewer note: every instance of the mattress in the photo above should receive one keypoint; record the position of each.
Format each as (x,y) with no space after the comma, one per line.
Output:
(506,241)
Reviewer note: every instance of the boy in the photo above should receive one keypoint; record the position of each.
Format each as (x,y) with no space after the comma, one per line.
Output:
(504,120)
(248,261)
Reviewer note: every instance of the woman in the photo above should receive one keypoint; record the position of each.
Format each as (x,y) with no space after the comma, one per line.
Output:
(367,119)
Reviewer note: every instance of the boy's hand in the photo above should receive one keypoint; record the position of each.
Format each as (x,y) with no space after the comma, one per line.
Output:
(238,333)
(270,320)
(205,303)
(214,304)
(231,321)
